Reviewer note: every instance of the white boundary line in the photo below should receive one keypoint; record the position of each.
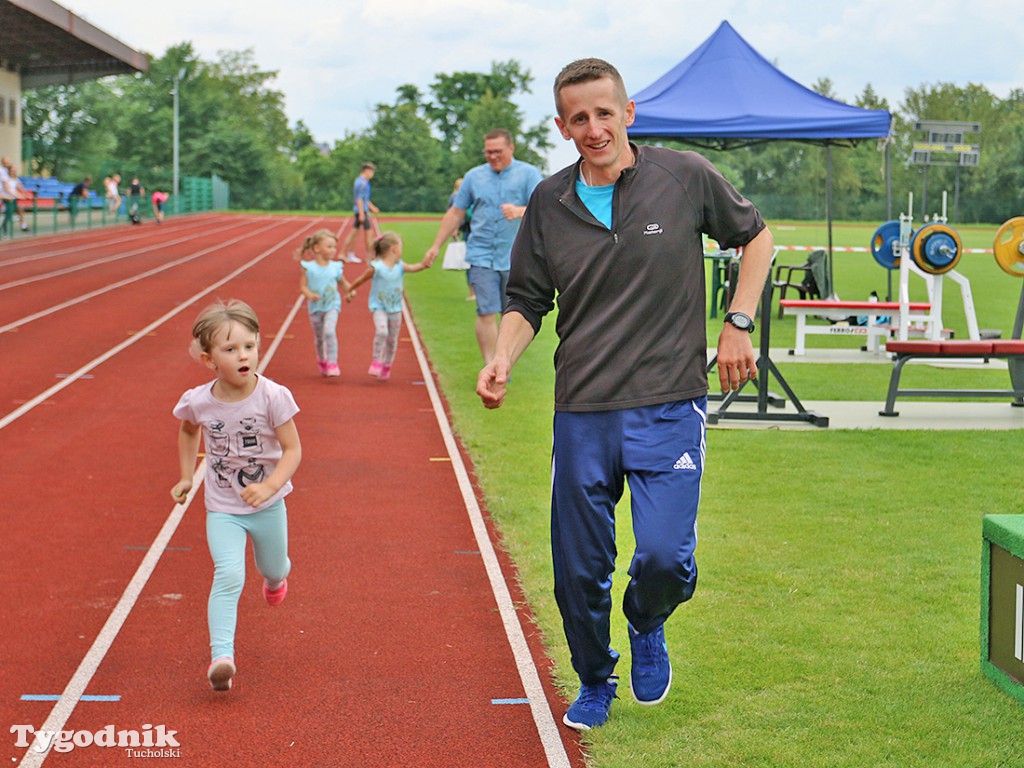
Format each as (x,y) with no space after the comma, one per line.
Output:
(129,280)
(107,259)
(72,694)
(550,737)
(17,413)
(37,255)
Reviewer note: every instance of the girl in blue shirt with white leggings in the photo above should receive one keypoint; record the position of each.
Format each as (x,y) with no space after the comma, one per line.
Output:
(319,284)
(387,271)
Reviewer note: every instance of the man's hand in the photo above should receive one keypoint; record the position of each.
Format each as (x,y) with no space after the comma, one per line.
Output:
(736,360)
(510,211)
(491,383)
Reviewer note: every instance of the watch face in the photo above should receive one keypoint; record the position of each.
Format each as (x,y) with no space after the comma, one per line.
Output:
(741,321)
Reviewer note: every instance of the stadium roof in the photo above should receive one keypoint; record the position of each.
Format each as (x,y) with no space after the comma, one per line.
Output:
(49,45)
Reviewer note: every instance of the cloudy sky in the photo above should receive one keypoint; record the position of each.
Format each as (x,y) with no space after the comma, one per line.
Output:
(336,59)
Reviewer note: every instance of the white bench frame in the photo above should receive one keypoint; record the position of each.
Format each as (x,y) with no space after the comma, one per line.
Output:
(876,333)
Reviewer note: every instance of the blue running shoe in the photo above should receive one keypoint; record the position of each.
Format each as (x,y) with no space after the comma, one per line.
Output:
(590,710)
(651,673)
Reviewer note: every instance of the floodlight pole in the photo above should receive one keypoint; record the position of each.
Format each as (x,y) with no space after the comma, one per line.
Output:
(177,78)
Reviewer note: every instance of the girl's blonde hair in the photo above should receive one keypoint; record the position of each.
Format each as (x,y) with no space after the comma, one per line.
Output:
(312,241)
(385,243)
(217,315)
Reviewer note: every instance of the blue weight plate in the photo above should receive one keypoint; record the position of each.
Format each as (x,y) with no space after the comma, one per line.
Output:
(885,244)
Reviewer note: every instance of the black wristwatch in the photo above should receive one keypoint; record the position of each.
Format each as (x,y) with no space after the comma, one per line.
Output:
(740,320)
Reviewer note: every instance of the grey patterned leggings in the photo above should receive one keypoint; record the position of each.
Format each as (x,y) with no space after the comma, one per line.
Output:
(325,334)
(385,339)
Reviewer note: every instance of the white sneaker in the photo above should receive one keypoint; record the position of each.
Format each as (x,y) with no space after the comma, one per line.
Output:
(353,259)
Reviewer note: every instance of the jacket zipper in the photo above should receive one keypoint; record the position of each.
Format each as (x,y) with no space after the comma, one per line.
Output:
(592,221)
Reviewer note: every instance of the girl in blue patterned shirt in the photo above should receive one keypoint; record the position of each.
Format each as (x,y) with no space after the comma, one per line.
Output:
(387,271)
(321,274)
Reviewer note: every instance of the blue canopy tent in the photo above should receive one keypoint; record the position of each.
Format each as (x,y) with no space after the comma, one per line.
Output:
(726,95)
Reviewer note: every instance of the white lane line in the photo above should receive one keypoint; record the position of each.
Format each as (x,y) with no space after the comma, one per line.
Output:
(550,737)
(21,410)
(129,280)
(37,254)
(75,689)
(104,260)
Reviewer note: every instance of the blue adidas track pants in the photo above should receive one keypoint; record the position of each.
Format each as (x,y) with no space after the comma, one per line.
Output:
(659,450)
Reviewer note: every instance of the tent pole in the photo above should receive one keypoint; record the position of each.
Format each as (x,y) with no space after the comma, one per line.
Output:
(888,204)
(828,212)
(888,179)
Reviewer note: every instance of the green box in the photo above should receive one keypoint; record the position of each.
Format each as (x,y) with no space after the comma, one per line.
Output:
(1002,602)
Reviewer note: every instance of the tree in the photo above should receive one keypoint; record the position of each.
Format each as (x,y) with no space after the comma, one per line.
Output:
(65,127)
(455,96)
(408,159)
(451,113)
(488,114)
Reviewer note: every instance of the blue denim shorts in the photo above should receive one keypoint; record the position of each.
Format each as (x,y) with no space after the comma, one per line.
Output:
(489,286)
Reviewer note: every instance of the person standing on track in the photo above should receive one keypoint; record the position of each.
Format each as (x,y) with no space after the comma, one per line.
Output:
(361,208)
(78,193)
(388,273)
(252,451)
(9,185)
(113,194)
(135,193)
(617,237)
(321,276)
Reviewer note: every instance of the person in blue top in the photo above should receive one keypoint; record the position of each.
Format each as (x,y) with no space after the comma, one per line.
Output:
(387,271)
(361,209)
(321,275)
(497,192)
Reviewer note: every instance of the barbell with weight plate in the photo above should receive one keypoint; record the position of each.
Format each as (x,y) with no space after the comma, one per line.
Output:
(936,248)
(1009,246)
(885,244)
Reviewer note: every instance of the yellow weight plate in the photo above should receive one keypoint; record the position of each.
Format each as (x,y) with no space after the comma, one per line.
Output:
(1009,246)
(936,248)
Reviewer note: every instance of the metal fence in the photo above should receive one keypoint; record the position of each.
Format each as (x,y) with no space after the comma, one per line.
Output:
(51,209)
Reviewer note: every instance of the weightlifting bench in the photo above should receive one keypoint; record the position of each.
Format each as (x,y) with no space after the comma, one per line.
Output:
(1011,350)
(874,331)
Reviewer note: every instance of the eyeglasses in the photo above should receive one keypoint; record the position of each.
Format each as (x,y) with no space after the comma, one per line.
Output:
(495,152)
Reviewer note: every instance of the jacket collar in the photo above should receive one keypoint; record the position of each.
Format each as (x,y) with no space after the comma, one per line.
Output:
(572,172)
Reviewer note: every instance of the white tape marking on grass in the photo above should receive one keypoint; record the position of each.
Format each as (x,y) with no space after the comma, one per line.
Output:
(75,689)
(17,413)
(550,737)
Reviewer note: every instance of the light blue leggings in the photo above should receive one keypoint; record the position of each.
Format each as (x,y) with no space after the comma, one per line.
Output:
(226,535)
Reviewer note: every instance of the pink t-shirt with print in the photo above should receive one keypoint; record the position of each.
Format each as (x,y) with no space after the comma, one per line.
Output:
(240,440)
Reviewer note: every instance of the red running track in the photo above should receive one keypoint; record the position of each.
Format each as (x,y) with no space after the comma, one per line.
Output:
(402,639)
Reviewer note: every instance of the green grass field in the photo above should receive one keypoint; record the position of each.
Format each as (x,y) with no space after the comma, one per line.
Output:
(836,622)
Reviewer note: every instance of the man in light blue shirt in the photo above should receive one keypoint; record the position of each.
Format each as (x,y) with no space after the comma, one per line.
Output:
(498,192)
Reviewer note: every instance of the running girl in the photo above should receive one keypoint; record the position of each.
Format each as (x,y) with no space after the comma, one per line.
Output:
(252,451)
(387,271)
(319,284)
